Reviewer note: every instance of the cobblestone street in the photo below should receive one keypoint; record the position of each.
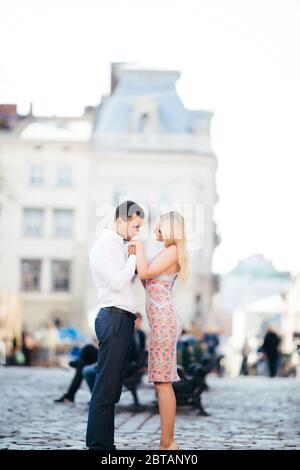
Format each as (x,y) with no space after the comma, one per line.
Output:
(246,413)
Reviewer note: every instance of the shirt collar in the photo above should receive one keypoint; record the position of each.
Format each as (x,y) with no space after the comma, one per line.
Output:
(115,235)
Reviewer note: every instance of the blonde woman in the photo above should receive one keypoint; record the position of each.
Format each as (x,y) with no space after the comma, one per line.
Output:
(165,325)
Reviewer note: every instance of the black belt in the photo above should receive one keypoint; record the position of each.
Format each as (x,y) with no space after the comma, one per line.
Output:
(131,315)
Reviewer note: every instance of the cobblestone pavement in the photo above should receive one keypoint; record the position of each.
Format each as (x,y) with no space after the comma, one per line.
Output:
(246,413)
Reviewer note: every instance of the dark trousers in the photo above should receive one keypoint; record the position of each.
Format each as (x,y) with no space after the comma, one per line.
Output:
(273,364)
(244,366)
(88,355)
(115,334)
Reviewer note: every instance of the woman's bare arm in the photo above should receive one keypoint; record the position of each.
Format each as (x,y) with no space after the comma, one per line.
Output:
(159,265)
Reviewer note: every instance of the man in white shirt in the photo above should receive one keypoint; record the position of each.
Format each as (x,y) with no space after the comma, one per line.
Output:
(112,266)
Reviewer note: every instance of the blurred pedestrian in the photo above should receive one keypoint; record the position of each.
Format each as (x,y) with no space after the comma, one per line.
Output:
(48,340)
(28,345)
(88,356)
(245,354)
(270,347)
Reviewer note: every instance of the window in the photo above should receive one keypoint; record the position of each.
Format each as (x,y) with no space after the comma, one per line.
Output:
(30,274)
(61,275)
(63,222)
(64,177)
(36,177)
(33,222)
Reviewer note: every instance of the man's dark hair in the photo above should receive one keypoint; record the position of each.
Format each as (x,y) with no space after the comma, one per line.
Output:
(127,209)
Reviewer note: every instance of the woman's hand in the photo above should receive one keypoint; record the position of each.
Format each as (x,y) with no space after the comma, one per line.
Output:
(131,249)
(133,246)
(136,243)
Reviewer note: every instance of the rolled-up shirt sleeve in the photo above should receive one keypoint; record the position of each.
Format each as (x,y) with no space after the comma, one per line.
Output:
(104,262)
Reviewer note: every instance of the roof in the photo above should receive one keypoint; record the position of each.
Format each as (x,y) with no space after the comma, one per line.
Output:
(147,100)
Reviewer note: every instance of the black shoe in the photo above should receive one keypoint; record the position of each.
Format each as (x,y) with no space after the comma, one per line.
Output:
(64,399)
(102,448)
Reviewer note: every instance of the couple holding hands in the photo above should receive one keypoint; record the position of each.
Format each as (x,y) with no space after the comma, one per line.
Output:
(115,258)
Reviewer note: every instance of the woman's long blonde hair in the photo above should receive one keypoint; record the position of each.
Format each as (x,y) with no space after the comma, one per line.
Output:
(172,227)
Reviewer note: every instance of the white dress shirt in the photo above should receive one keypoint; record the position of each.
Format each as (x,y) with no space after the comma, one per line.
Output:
(112,270)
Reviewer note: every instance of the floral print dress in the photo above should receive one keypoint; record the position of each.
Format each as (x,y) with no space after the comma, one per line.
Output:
(165,329)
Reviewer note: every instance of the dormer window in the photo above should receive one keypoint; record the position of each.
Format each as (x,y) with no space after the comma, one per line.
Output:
(145,117)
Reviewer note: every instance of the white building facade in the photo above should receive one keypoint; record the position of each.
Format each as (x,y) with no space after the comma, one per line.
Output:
(61,176)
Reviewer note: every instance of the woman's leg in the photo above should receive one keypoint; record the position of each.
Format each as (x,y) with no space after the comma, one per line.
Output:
(167,410)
